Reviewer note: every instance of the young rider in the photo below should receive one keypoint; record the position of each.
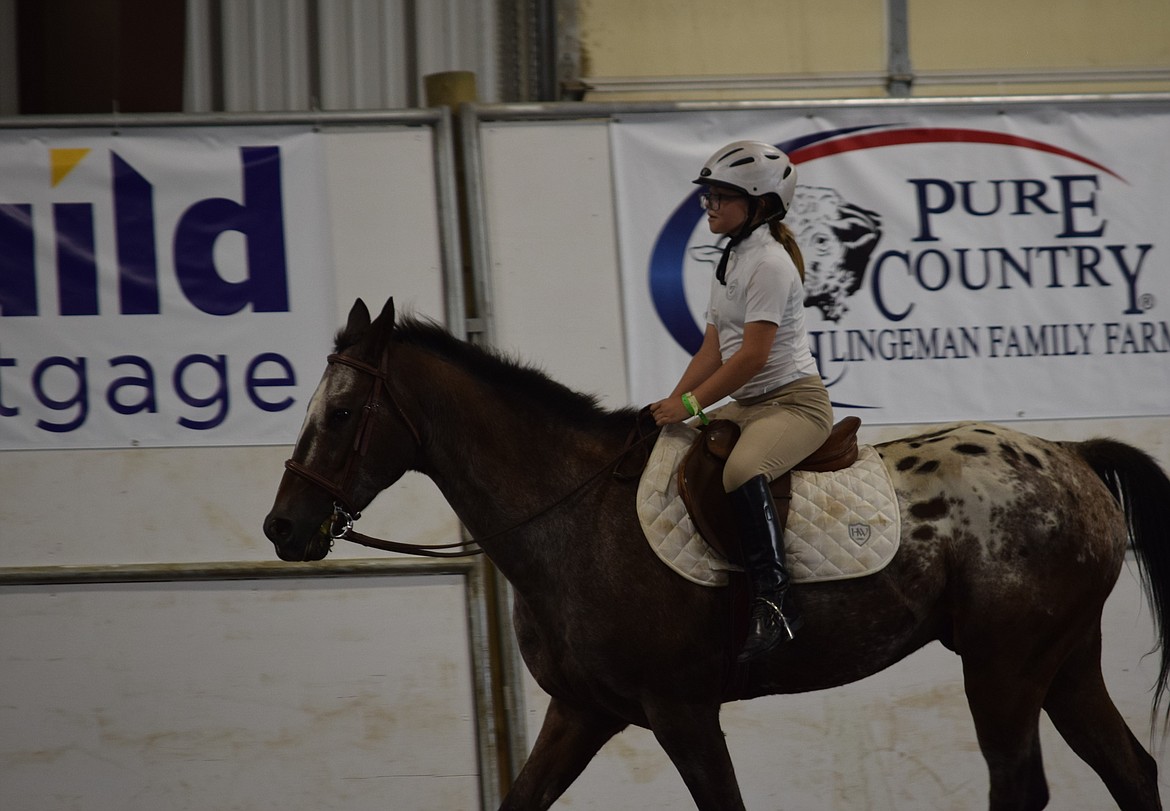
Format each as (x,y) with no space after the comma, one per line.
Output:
(755,349)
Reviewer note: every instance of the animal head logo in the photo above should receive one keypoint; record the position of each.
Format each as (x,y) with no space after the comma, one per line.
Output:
(837,239)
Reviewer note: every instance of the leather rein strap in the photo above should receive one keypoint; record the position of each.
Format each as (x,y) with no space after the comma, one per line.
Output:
(344,513)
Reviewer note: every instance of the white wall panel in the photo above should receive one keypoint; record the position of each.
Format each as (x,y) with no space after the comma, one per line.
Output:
(275,695)
(553,251)
(383,216)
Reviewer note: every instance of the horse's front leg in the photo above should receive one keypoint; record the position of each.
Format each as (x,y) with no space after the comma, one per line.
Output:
(693,739)
(568,740)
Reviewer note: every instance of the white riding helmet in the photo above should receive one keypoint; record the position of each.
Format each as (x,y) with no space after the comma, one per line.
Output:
(751,167)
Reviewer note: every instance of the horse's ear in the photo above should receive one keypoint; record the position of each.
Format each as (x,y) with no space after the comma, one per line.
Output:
(359,319)
(387,316)
(383,325)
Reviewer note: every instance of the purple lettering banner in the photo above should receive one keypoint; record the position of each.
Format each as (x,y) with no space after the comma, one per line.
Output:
(161,287)
(961,262)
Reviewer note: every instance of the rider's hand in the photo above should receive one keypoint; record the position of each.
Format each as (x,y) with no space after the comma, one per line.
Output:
(668,411)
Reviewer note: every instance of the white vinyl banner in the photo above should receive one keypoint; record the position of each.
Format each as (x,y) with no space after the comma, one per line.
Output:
(963,263)
(161,287)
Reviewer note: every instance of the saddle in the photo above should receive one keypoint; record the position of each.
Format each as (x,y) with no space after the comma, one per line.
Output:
(700,479)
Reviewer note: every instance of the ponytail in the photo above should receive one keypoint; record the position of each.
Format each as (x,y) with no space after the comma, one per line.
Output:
(772,212)
(783,234)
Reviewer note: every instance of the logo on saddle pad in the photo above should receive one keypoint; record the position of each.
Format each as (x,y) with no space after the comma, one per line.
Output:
(859,533)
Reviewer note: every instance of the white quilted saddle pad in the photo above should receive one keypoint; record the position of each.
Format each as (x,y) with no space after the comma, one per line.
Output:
(840,525)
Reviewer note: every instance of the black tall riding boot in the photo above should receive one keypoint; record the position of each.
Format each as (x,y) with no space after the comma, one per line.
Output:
(762,535)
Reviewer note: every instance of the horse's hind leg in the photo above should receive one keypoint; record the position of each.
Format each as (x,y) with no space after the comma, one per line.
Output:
(1084,714)
(1006,711)
(568,740)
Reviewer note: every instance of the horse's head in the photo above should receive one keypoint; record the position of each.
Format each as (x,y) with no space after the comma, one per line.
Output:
(351,446)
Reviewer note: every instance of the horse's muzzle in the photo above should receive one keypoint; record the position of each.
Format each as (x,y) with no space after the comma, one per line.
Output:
(283,533)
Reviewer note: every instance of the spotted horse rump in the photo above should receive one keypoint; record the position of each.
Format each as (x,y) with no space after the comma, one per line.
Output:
(989,492)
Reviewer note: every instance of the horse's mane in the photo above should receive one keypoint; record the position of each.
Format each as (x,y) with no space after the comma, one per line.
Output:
(498,369)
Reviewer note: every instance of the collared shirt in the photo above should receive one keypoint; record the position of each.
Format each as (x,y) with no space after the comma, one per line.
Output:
(763,284)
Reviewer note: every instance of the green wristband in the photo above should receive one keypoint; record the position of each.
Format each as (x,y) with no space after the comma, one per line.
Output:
(691,404)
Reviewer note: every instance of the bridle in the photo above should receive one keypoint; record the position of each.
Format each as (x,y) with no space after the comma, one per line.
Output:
(345,513)
(340,489)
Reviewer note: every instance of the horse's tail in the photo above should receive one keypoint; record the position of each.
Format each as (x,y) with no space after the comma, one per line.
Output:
(1142,489)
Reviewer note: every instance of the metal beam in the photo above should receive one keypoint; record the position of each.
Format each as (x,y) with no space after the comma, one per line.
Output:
(225,570)
(900,76)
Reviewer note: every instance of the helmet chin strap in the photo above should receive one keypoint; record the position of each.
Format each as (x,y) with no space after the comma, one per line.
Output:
(748,226)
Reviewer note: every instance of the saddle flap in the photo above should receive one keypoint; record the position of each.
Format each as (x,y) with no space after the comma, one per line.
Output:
(700,479)
(700,484)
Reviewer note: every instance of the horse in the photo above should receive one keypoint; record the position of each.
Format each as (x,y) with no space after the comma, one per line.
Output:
(1010,545)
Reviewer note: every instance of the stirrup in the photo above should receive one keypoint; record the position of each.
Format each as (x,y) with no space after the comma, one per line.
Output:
(789,628)
(785,633)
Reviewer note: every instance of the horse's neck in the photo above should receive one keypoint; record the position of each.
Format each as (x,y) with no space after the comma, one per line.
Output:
(499,473)
(498,470)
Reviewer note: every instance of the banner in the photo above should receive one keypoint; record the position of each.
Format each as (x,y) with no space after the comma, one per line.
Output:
(961,263)
(161,287)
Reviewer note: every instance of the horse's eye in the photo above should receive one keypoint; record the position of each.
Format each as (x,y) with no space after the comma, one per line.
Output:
(338,415)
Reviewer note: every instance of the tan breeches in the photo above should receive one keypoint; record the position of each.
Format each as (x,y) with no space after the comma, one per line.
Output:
(777,432)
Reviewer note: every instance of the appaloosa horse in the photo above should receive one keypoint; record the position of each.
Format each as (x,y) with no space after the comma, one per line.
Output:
(1010,545)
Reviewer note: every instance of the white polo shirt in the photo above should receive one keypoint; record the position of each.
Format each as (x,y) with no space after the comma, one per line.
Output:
(763,284)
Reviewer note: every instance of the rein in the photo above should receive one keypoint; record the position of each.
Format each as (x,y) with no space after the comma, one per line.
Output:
(344,514)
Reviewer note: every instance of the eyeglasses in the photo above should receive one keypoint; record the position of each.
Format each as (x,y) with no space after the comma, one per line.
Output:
(711,201)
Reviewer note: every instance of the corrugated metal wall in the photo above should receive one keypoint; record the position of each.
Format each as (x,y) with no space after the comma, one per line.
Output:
(279,55)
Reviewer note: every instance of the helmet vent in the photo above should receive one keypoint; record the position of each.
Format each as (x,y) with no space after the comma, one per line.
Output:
(742,161)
